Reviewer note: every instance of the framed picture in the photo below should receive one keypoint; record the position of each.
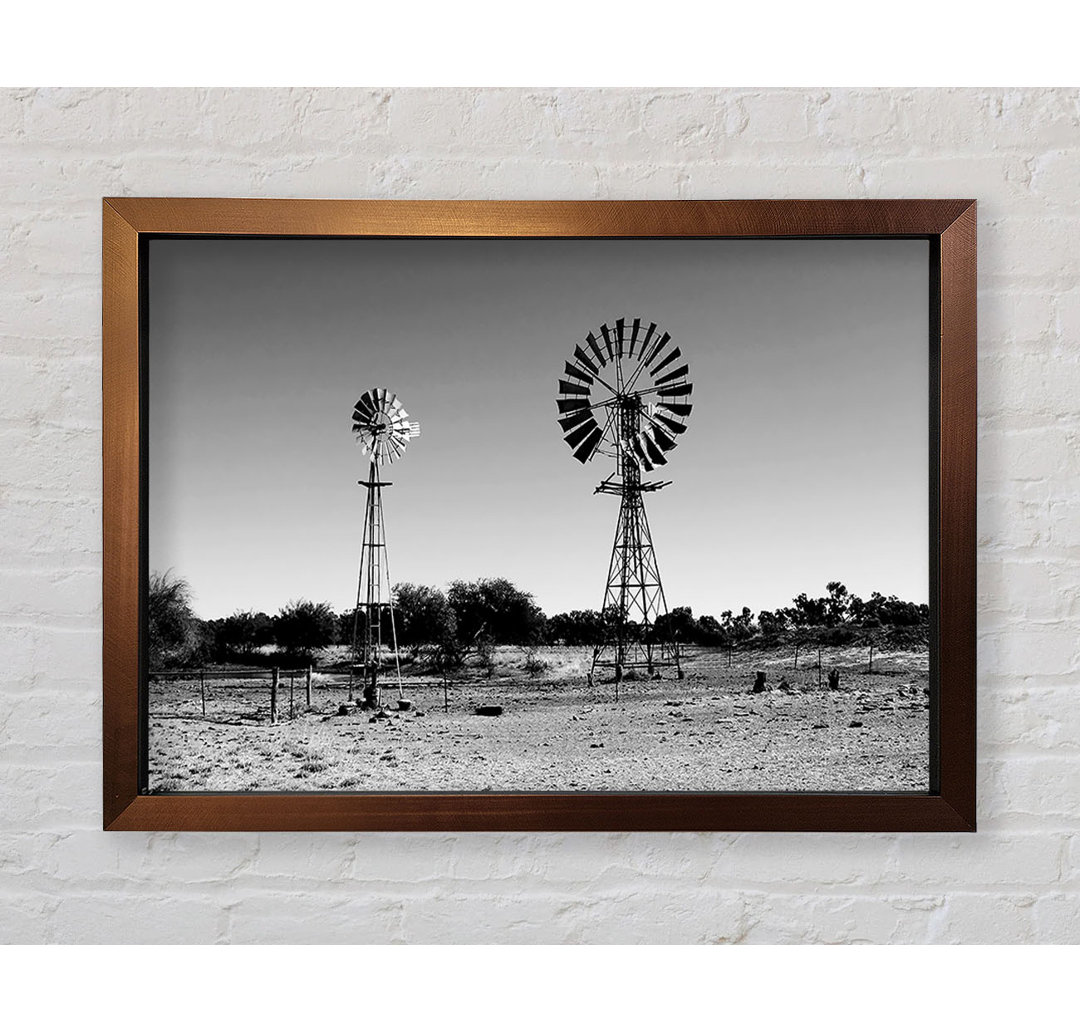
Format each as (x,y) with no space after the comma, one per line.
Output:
(678,500)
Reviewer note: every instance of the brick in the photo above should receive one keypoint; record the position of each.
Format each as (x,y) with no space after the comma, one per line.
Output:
(317,917)
(989,859)
(49,463)
(1057,918)
(93,916)
(818,861)
(429,120)
(26,918)
(47,391)
(820,918)
(1033,790)
(1033,589)
(1009,316)
(684,915)
(779,116)
(982,918)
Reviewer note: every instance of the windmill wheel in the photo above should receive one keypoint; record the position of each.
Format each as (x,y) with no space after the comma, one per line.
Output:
(382,426)
(625,392)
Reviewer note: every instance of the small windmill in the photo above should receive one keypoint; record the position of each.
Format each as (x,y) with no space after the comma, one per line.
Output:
(625,395)
(383,429)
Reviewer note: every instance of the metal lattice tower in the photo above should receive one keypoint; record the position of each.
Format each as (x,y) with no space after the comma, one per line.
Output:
(383,429)
(640,409)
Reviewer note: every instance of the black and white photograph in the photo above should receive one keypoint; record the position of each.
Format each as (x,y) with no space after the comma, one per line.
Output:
(538,515)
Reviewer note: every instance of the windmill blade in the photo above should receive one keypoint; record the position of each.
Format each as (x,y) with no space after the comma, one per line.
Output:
(571,404)
(678,408)
(578,374)
(655,454)
(672,425)
(571,421)
(590,338)
(579,354)
(673,375)
(660,439)
(675,390)
(583,453)
(579,434)
(620,335)
(671,357)
(606,331)
(382,426)
(568,388)
(647,338)
(657,348)
(634,331)
(639,454)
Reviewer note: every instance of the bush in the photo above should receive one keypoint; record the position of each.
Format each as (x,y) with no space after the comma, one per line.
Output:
(175,636)
(302,627)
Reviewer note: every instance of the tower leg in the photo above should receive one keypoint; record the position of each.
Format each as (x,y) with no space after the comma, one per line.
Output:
(633,598)
(373,580)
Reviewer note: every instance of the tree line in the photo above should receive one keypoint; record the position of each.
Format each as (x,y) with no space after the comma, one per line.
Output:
(471,617)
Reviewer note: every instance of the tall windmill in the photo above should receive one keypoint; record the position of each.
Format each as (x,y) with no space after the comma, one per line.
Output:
(383,429)
(625,395)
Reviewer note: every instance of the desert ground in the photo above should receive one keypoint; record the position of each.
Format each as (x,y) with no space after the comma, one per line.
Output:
(709,732)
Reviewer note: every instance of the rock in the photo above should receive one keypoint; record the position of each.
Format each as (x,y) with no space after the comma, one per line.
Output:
(404,704)
(819,726)
(783,686)
(343,711)
(489,710)
(855,724)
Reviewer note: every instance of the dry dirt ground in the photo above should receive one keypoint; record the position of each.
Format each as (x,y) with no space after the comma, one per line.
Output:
(707,732)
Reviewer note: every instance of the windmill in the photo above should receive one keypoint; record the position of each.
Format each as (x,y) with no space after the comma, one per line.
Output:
(625,395)
(383,429)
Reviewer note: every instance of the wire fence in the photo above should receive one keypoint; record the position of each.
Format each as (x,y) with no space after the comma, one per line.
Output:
(813,663)
(254,694)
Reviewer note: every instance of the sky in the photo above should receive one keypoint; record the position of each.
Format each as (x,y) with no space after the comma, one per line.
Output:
(805,461)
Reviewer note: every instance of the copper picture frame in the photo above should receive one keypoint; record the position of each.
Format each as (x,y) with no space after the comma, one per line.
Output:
(950,228)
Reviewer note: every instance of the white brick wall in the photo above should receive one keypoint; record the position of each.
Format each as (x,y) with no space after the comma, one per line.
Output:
(1017,880)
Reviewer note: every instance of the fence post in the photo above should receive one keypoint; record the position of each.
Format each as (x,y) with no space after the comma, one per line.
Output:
(870,666)
(202,690)
(819,665)
(308,687)
(273,694)
(292,712)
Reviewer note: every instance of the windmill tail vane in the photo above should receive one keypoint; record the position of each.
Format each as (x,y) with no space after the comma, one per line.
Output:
(383,430)
(625,394)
